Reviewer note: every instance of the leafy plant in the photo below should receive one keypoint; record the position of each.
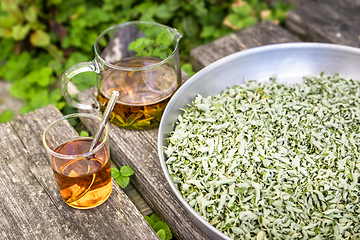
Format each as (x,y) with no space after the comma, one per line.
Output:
(122,177)
(30,77)
(84,134)
(161,228)
(40,39)
(6,116)
(156,43)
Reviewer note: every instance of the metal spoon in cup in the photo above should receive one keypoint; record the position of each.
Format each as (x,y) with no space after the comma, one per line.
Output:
(105,118)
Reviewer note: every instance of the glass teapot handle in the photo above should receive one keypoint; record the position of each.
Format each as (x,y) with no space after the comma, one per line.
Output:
(70,73)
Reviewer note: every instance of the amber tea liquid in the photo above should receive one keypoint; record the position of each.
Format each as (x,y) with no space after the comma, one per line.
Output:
(84,182)
(144,93)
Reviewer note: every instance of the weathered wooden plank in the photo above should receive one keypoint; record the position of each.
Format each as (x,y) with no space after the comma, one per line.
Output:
(330,21)
(138,200)
(138,149)
(263,33)
(27,212)
(117,217)
(135,196)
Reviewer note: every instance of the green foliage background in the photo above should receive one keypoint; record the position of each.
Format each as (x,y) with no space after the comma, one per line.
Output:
(40,39)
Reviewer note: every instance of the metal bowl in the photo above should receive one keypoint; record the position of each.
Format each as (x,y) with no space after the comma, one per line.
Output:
(288,61)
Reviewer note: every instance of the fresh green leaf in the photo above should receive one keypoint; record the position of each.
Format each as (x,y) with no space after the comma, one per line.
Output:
(20,88)
(60,105)
(40,99)
(187,67)
(6,46)
(126,171)
(114,173)
(207,31)
(150,220)
(163,12)
(155,218)
(39,38)
(42,77)
(161,233)
(242,11)
(30,14)
(84,134)
(123,181)
(161,225)
(122,177)
(55,96)
(6,116)
(158,225)
(19,31)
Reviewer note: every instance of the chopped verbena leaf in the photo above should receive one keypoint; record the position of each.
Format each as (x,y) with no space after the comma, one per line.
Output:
(270,160)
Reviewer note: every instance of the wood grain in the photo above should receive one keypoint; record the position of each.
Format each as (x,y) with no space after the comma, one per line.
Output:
(329,21)
(138,149)
(134,195)
(27,212)
(263,33)
(33,207)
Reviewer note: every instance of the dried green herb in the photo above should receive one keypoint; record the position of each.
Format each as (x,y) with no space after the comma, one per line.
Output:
(270,160)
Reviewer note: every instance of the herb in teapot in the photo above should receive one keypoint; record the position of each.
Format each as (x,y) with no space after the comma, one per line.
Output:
(143,94)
